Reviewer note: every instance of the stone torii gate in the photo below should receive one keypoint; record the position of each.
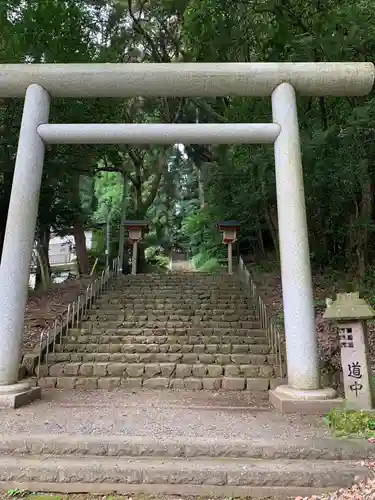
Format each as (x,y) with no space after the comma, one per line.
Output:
(38,84)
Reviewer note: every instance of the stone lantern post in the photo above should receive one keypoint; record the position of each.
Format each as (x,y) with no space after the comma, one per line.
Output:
(350,313)
(229,230)
(136,229)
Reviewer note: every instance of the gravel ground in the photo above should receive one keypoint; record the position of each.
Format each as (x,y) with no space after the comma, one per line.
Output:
(160,414)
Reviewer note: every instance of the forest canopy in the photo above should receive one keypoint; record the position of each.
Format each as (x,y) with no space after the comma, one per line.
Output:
(184,190)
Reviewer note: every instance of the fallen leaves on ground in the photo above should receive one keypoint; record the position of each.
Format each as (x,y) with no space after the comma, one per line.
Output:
(269,284)
(44,308)
(364,490)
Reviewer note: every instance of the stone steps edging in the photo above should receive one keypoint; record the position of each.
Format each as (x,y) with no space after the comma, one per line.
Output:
(230,360)
(133,348)
(204,471)
(144,446)
(157,382)
(97,338)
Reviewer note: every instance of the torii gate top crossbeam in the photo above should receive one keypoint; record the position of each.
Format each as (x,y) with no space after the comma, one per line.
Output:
(187,79)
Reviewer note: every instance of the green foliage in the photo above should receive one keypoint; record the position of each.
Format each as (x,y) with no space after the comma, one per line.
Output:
(201,232)
(154,255)
(18,493)
(162,261)
(351,423)
(204,263)
(210,266)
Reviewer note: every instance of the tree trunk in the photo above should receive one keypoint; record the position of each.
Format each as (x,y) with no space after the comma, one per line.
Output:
(4,205)
(200,187)
(260,240)
(270,216)
(43,270)
(366,207)
(121,244)
(81,249)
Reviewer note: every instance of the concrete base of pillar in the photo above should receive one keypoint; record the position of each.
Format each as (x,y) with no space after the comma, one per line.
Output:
(315,402)
(16,395)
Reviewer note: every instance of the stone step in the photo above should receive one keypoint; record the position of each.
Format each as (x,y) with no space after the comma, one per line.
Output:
(188,365)
(156,377)
(164,357)
(164,348)
(175,332)
(183,301)
(177,294)
(208,288)
(322,448)
(204,476)
(160,339)
(162,315)
(183,309)
(202,326)
(178,288)
(208,283)
(180,277)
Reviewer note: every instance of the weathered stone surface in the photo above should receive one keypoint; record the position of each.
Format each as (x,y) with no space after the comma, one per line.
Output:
(272,359)
(232,371)
(100,369)
(242,359)
(266,371)
(183,371)
(199,349)
(177,383)
(156,383)
(215,370)
(130,357)
(66,382)
(152,370)
(223,359)
(86,369)
(206,358)
(47,382)
(211,384)
(167,369)
(257,384)
(240,349)
(114,348)
(57,370)
(250,370)
(187,348)
(109,382)
(233,384)
(86,384)
(135,370)
(190,358)
(116,369)
(193,384)
(199,370)
(131,383)
(117,357)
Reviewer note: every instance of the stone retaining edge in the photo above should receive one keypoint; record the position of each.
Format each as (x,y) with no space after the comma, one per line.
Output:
(186,490)
(183,447)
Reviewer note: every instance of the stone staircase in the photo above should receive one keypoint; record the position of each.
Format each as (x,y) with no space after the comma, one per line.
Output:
(151,444)
(184,331)
(179,330)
